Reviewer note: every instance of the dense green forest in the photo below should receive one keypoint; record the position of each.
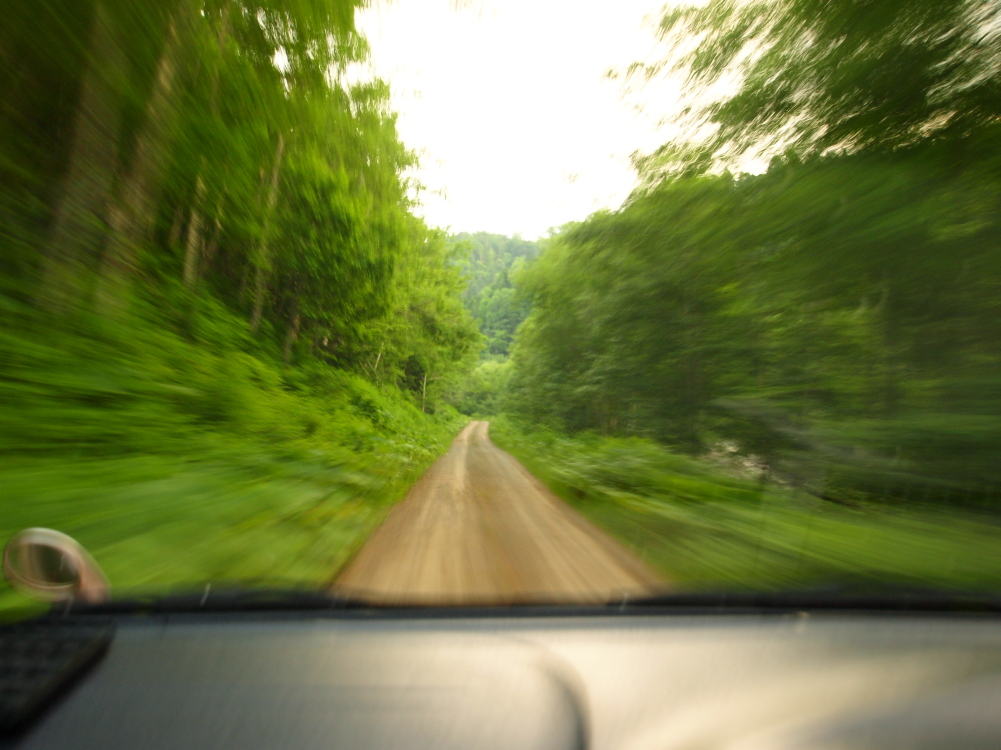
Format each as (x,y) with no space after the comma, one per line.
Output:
(788,378)
(491,263)
(162,152)
(229,344)
(225,332)
(835,317)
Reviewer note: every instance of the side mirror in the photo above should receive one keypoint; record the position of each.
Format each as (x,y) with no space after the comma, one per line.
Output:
(48,565)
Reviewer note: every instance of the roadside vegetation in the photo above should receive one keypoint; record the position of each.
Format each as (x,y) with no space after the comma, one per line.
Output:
(714,525)
(830,324)
(835,317)
(224,334)
(228,343)
(177,463)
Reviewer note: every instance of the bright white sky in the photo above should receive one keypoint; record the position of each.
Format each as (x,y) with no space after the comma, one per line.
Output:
(508,104)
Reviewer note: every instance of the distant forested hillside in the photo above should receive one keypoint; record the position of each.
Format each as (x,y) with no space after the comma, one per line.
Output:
(492,262)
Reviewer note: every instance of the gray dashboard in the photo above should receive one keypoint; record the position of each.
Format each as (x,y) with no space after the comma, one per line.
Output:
(674,682)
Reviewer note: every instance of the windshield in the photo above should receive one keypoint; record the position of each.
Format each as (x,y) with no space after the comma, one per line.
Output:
(432,302)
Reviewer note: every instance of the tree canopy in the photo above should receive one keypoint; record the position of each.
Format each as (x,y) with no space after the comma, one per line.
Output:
(836,314)
(815,76)
(198,150)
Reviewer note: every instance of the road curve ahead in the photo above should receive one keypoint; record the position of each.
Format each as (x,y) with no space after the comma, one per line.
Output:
(479,529)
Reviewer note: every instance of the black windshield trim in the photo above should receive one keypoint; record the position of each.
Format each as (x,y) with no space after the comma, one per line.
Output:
(700,603)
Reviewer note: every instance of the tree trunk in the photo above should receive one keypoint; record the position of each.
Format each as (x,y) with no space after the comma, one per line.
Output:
(208,253)
(222,34)
(133,212)
(260,276)
(174,235)
(424,390)
(260,284)
(197,251)
(292,335)
(194,243)
(79,225)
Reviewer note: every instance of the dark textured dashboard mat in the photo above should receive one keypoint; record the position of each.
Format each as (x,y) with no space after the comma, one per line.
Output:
(40,659)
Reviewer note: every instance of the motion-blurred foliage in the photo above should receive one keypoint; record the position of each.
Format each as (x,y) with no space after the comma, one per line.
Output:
(714,525)
(222,147)
(224,331)
(827,76)
(837,316)
(177,463)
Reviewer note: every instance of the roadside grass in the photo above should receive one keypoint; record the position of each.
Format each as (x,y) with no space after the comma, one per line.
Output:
(704,529)
(179,460)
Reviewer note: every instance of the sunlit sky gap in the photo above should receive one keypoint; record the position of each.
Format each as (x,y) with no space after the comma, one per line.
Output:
(508,103)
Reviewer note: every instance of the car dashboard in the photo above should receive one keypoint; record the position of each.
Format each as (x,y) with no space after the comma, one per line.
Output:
(410,679)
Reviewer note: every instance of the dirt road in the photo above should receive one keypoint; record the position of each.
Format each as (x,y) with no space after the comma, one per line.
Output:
(478,528)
